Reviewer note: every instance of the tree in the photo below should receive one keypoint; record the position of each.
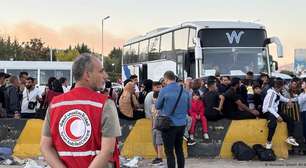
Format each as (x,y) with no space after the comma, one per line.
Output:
(34,50)
(83,48)
(112,64)
(67,55)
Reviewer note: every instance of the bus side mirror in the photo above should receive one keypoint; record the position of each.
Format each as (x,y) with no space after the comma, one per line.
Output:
(279,46)
(197,48)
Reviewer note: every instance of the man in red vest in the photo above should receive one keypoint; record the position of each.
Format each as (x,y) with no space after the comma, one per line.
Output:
(81,126)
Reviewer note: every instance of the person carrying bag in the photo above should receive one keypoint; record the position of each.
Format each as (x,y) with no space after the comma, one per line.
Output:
(163,123)
(172,102)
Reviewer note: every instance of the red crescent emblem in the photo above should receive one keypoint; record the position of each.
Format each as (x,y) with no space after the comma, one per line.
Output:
(68,128)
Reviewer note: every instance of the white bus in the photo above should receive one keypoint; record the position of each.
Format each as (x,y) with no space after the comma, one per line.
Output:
(40,70)
(199,49)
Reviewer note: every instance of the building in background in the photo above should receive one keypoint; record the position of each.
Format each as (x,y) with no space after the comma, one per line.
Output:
(300,60)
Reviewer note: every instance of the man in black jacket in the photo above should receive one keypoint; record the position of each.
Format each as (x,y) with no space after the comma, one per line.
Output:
(3,76)
(13,98)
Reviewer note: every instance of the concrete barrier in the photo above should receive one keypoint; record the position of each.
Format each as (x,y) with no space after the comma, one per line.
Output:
(222,134)
(139,141)
(23,137)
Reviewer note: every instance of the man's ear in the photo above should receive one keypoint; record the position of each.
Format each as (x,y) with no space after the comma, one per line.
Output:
(86,75)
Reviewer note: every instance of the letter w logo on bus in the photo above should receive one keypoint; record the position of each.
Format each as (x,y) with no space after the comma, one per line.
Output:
(235,36)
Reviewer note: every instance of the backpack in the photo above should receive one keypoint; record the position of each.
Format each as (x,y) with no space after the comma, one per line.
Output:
(264,154)
(242,151)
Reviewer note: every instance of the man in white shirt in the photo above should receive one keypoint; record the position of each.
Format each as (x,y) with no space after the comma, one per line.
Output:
(273,115)
(30,98)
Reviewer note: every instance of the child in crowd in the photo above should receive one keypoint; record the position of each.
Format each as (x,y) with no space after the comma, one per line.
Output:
(273,115)
(156,134)
(197,113)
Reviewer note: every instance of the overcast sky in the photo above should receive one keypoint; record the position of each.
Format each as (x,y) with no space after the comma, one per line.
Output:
(63,22)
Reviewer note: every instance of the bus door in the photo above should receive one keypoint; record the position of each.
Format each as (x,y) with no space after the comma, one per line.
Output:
(189,64)
(180,65)
(143,72)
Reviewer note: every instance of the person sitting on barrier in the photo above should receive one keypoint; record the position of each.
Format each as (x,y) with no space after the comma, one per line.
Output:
(224,85)
(196,112)
(156,134)
(258,101)
(213,102)
(128,103)
(274,115)
(264,81)
(134,79)
(234,108)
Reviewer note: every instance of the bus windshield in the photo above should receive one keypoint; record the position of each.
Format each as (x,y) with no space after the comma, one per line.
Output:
(224,60)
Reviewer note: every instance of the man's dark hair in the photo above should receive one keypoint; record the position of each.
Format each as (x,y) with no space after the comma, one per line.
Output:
(304,80)
(126,81)
(256,85)
(221,78)
(31,79)
(295,79)
(235,81)
(133,77)
(278,83)
(57,86)
(264,74)
(169,75)
(82,63)
(4,75)
(62,80)
(210,83)
(23,73)
(50,82)
(250,73)
(210,78)
(156,83)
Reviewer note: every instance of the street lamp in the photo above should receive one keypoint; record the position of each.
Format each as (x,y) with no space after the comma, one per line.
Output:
(105,18)
(113,65)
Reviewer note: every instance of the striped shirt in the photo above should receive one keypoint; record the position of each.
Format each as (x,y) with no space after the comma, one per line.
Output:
(271,102)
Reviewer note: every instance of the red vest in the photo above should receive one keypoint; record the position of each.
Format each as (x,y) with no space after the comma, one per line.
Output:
(75,125)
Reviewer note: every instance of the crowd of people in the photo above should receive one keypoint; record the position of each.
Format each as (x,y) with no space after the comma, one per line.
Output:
(20,97)
(184,102)
(211,99)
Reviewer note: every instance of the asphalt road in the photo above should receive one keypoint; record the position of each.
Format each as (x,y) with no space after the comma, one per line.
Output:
(292,162)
